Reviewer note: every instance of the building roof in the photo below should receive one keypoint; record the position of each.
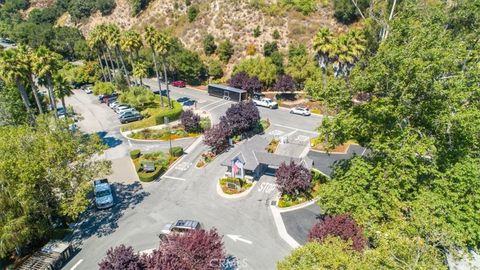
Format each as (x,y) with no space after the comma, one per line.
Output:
(229,88)
(252,153)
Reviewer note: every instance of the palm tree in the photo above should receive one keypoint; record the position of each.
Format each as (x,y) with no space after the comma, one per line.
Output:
(95,42)
(46,64)
(113,41)
(14,70)
(140,70)
(162,46)
(26,54)
(103,36)
(151,38)
(62,88)
(131,41)
(322,43)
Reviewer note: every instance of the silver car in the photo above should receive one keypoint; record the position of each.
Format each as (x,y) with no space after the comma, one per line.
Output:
(301,111)
(103,194)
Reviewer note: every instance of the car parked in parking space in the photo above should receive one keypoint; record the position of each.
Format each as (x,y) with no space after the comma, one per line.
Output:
(106,98)
(113,104)
(180,226)
(133,110)
(300,110)
(103,194)
(182,99)
(160,92)
(121,107)
(129,109)
(128,117)
(179,84)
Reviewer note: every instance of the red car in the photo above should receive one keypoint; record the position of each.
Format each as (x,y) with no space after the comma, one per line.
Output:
(179,84)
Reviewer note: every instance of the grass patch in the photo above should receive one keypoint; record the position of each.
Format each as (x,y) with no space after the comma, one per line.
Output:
(241,183)
(161,134)
(154,115)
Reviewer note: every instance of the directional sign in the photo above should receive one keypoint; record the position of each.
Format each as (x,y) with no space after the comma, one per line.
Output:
(236,238)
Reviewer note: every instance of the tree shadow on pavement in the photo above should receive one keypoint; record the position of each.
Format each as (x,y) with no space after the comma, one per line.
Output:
(109,141)
(101,223)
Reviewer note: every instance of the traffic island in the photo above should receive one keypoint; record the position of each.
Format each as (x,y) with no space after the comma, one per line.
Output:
(231,187)
(151,166)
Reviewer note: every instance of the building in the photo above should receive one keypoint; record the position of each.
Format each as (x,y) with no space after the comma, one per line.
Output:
(251,160)
(227,92)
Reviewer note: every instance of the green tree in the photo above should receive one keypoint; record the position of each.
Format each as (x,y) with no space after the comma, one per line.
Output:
(12,110)
(151,37)
(62,88)
(113,43)
(323,46)
(215,70)
(140,70)
(46,65)
(209,46)
(131,41)
(261,67)
(95,43)
(45,174)
(103,88)
(187,65)
(225,51)
(162,46)
(137,96)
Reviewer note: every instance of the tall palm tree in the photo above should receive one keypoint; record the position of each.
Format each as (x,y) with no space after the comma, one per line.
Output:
(323,45)
(113,41)
(46,64)
(103,36)
(15,71)
(94,42)
(27,56)
(151,38)
(131,42)
(62,88)
(140,70)
(162,46)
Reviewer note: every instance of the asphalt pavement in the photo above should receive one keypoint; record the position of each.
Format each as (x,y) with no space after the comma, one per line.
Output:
(183,192)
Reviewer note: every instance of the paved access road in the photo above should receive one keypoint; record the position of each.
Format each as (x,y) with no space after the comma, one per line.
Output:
(184,192)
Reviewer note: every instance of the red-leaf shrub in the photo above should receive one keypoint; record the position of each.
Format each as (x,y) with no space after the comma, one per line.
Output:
(121,258)
(217,137)
(284,83)
(293,179)
(190,121)
(342,226)
(194,250)
(238,80)
(241,117)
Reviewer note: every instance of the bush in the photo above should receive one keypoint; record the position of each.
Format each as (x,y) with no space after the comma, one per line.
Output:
(190,121)
(346,12)
(103,88)
(105,6)
(209,46)
(251,49)
(149,177)
(192,13)
(285,83)
(241,117)
(205,123)
(276,34)
(135,153)
(269,48)
(257,31)
(215,69)
(176,151)
(172,114)
(121,257)
(225,51)
(293,179)
(261,67)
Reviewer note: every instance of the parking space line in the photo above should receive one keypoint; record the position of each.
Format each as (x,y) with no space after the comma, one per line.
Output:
(208,105)
(77,264)
(297,129)
(174,178)
(225,103)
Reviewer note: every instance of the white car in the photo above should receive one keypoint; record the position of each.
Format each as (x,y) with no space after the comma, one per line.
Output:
(124,110)
(120,108)
(88,90)
(266,102)
(113,104)
(301,111)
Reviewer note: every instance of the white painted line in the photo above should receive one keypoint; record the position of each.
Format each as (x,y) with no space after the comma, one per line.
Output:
(302,130)
(282,231)
(210,104)
(77,264)
(174,178)
(363,152)
(194,144)
(218,106)
(130,143)
(236,238)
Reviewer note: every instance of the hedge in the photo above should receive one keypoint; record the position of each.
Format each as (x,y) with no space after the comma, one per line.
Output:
(176,151)
(172,114)
(149,177)
(135,154)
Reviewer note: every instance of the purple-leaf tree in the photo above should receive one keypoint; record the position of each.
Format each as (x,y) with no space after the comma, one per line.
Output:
(242,117)
(190,121)
(293,179)
(285,83)
(252,85)
(238,80)
(120,258)
(217,137)
(342,226)
(195,249)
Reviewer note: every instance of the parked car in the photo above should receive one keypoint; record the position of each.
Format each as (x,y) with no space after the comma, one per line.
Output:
(301,111)
(160,92)
(182,99)
(121,107)
(179,84)
(61,112)
(133,110)
(105,98)
(180,226)
(128,109)
(103,194)
(88,90)
(129,117)
(266,102)
(189,102)
(52,256)
(113,104)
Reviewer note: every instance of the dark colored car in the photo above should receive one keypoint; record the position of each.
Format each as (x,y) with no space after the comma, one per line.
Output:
(129,117)
(183,99)
(179,84)
(160,92)
(104,98)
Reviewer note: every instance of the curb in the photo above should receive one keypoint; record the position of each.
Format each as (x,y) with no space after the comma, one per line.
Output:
(153,141)
(234,196)
(335,153)
(282,231)
(295,207)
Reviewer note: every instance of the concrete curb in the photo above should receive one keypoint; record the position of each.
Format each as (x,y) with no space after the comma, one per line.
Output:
(296,207)
(282,231)
(171,167)
(332,152)
(234,196)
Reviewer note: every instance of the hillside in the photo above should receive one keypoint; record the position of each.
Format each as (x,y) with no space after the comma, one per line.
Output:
(233,19)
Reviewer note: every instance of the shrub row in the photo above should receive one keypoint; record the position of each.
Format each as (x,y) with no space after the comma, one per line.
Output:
(149,177)
(176,151)
(172,115)
(135,154)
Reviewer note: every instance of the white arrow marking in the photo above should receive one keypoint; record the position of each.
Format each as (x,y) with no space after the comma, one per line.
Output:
(236,238)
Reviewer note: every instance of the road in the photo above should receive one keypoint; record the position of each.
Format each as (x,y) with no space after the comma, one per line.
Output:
(184,192)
